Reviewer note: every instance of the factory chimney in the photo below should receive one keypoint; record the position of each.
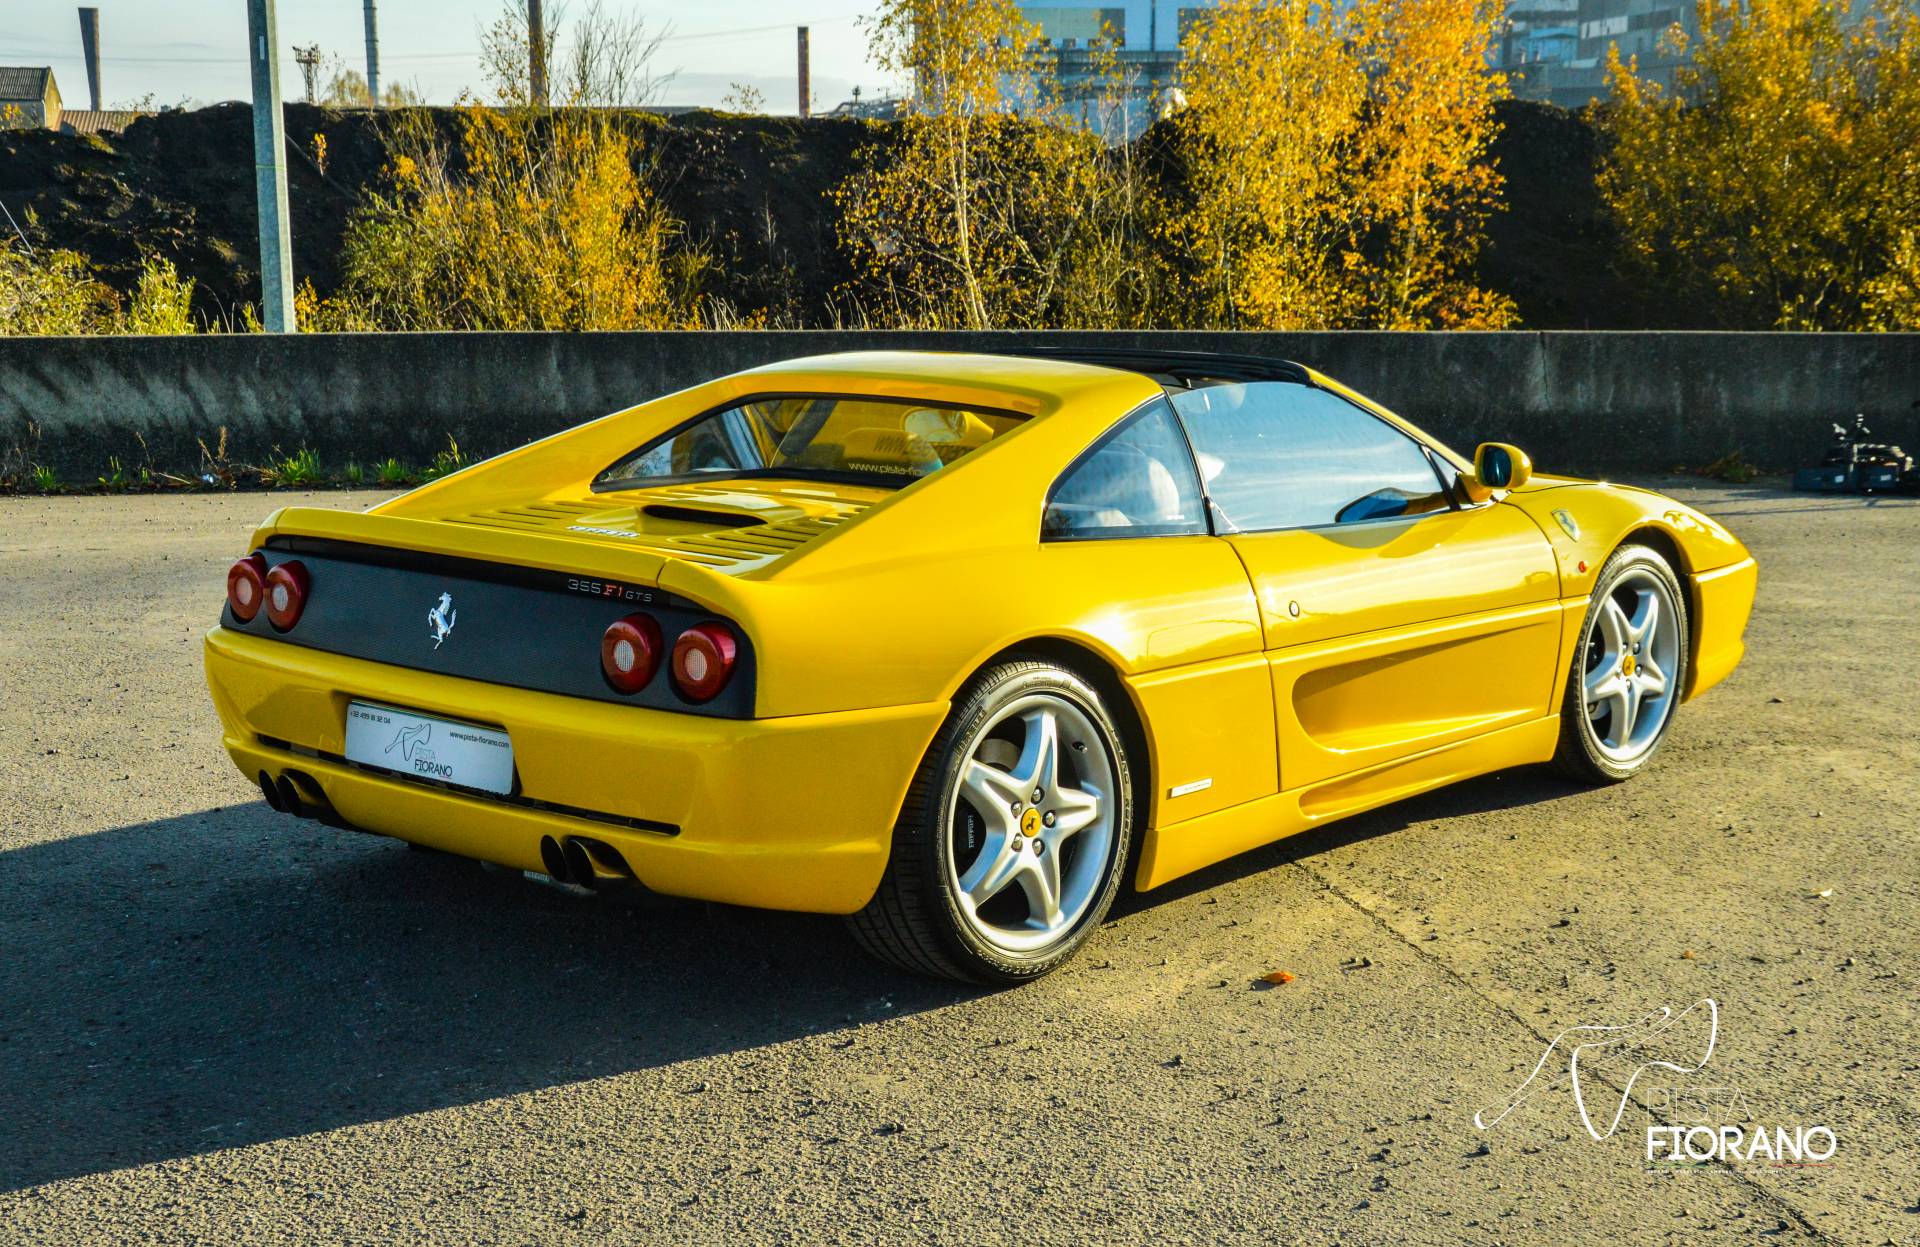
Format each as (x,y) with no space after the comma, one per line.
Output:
(373,57)
(806,78)
(536,55)
(90,45)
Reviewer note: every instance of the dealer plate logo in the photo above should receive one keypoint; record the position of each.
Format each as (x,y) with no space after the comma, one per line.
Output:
(421,746)
(411,737)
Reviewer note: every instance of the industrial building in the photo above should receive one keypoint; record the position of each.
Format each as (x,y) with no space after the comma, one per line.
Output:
(30,100)
(1552,50)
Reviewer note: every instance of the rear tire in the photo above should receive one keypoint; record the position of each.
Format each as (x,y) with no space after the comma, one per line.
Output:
(1627,677)
(1014,836)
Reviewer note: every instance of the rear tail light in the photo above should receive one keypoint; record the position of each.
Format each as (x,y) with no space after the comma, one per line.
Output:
(286,594)
(703,661)
(630,651)
(247,587)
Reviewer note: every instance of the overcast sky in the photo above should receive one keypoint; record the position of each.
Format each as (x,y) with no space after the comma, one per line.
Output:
(196,49)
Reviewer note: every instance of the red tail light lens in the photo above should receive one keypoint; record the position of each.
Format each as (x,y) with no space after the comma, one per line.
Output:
(286,594)
(703,660)
(630,652)
(247,587)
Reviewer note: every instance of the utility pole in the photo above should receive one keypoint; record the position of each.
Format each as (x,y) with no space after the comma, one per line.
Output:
(308,59)
(806,78)
(270,168)
(536,56)
(373,57)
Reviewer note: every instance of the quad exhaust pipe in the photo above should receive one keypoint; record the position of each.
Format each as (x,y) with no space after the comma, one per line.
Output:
(300,794)
(580,861)
(586,863)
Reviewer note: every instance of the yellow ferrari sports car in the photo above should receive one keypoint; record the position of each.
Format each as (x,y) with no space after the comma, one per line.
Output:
(958,645)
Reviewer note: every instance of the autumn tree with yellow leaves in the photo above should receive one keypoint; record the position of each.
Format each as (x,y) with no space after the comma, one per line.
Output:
(1336,167)
(1780,178)
(1274,93)
(58,292)
(987,205)
(1425,183)
(531,217)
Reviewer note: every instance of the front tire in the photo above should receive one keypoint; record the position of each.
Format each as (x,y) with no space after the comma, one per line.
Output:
(1629,672)
(1014,836)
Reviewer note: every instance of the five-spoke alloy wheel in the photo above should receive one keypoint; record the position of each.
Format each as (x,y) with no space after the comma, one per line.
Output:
(1630,669)
(1014,836)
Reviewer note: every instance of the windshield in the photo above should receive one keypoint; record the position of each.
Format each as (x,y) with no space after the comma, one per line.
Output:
(879,441)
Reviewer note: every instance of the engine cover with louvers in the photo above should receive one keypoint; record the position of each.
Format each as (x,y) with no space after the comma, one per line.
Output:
(729,530)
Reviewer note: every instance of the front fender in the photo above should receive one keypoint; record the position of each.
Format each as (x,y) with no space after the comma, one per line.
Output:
(1604,516)
(1587,522)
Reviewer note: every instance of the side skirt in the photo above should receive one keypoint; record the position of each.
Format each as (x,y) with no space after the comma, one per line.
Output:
(1184,847)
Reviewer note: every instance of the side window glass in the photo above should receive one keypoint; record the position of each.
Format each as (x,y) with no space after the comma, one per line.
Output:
(1276,454)
(1138,481)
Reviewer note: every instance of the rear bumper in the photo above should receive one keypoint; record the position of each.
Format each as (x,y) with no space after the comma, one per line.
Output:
(784,813)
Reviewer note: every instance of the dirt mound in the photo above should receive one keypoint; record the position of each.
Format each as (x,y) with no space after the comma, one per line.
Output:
(180,186)
(752,192)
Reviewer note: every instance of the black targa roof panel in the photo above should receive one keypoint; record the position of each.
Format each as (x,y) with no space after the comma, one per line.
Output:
(1186,367)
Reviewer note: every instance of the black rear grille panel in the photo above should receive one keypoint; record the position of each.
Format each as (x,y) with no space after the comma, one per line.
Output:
(516,626)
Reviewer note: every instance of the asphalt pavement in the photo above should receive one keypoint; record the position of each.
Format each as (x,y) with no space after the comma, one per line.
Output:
(221,1024)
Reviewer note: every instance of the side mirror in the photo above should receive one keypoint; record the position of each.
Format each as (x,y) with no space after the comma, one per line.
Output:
(1496,467)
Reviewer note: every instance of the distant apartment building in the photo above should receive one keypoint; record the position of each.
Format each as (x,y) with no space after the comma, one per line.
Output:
(1144,38)
(1551,50)
(1556,50)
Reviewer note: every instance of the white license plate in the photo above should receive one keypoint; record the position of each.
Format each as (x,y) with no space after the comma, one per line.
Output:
(428,748)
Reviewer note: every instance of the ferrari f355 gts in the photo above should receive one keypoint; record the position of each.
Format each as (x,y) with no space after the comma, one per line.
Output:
(959,645)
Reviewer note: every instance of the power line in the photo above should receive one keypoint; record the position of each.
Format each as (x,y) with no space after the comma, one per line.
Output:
(693,36)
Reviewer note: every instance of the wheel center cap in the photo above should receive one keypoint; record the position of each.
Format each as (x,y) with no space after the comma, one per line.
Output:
(1030,822)
(1628,663)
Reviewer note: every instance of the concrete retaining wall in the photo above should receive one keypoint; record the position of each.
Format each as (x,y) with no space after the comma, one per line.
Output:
(1587,402)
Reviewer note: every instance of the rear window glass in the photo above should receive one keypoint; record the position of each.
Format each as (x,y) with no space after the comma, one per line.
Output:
(1139,481)
(880,441)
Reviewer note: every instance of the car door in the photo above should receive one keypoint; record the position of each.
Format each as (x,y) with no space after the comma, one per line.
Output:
(1396,620)
(1128,559)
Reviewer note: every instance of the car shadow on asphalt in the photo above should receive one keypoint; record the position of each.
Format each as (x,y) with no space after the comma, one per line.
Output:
(221,979)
